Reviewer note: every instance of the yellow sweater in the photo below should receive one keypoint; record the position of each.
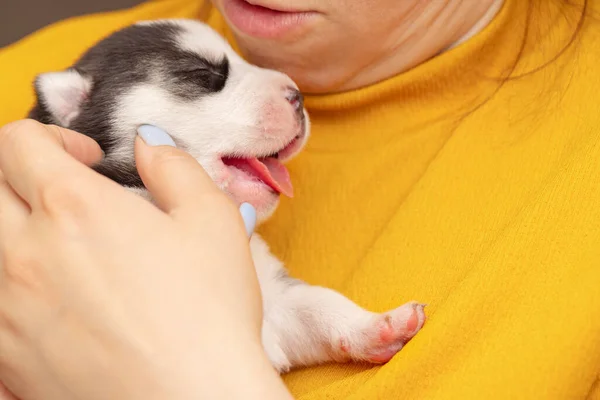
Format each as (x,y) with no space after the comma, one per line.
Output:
(407,190)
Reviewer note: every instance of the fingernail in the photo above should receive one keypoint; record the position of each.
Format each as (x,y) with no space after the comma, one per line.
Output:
(249,216)
(154,136)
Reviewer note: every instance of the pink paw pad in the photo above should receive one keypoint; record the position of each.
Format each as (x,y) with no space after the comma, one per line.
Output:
(389,332)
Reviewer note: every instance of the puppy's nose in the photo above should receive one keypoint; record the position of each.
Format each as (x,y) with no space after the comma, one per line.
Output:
(295,98)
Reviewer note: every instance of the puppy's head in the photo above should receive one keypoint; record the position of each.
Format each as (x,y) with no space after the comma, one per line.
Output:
(239,121)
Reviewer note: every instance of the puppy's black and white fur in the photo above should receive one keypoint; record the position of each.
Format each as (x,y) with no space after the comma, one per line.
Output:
(182,76)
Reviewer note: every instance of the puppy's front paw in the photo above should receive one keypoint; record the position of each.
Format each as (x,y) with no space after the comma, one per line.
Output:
(383,335)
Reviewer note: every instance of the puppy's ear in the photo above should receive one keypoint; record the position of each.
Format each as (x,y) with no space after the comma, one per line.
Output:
(61,94)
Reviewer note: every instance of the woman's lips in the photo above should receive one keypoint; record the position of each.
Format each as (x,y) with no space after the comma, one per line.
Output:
(263,22)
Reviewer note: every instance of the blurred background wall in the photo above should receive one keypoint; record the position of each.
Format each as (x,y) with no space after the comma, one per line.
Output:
(21,17)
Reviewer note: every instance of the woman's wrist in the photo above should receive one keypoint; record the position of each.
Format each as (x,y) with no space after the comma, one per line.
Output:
(257,380)
(249,377)
(243,372)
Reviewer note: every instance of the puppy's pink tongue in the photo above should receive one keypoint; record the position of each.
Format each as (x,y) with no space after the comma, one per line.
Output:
(269,170)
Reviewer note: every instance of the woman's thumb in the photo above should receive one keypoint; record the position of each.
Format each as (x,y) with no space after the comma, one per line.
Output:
(175,179)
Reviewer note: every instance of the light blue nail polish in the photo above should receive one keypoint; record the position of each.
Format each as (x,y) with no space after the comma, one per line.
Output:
(154,136)
(249,215)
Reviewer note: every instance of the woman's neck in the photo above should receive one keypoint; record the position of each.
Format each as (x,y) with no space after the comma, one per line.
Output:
(343,50)
(437,31)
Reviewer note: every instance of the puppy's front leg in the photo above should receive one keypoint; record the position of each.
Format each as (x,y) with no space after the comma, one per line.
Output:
(307,325)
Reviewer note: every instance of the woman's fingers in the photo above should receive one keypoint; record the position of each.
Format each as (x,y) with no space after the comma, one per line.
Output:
(33,159)
(32,155)
(176,180)
(83,148)
(5,394)
(13,211)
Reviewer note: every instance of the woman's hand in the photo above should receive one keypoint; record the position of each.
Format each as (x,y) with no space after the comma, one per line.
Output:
(106,296)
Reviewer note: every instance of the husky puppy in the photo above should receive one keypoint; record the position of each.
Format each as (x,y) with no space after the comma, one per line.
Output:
(241,123)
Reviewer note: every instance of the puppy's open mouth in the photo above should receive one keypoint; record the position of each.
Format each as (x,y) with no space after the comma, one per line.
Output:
(268,170)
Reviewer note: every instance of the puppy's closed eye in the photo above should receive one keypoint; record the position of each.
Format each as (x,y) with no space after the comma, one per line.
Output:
(195,73)
(203,77)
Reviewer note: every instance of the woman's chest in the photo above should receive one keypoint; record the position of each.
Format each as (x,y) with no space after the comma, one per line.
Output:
(410,218)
